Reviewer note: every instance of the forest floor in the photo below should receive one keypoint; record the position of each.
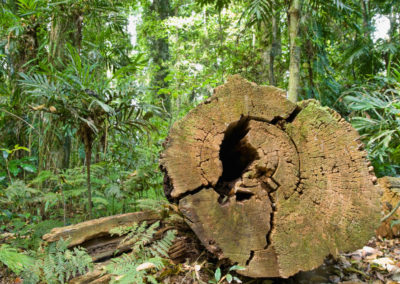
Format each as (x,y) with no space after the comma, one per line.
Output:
(377,262)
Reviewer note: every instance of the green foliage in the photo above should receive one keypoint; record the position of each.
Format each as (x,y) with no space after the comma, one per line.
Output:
(259,11)
(219,4)
(97,70)
(60,263)
(13,166)
(147,255)
(57,264)
(15,261)
(376,115)
(228,277)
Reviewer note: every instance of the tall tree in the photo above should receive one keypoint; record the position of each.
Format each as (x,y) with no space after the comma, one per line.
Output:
(294,15)
(159,50)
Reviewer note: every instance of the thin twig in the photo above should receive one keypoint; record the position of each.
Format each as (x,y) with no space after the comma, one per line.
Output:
(391,212)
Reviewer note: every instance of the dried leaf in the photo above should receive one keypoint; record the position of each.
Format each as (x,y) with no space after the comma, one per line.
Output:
(145,266)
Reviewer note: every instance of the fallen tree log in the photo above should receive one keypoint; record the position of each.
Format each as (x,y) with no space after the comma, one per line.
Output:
(271,185)
(98,228)
(102,246)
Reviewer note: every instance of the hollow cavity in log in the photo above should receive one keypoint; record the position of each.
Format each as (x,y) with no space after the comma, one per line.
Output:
(271,185)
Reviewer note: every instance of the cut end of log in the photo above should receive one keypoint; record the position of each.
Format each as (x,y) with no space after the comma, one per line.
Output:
(271,185)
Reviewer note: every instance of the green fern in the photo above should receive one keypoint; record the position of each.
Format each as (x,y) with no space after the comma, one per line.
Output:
(14,260)
(146,256)
(376,111)
(152,204)
(57,264)
(60,263)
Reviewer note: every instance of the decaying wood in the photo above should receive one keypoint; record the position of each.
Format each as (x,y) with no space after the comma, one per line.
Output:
(390,199)
(97,276)
(97,228)
(271,185)
(95,237)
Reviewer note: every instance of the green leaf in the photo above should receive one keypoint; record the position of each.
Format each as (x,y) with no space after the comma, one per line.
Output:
(217,274)
(17,147)
(13,169)
(5,154)
(15,261)
(29,168)
(236,267)
(229,278)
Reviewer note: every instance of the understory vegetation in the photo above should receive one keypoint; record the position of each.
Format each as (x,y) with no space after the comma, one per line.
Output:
(89,90)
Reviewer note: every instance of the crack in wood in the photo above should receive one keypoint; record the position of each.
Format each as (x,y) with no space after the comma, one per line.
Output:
(261,213)
(250,258)
(272,214)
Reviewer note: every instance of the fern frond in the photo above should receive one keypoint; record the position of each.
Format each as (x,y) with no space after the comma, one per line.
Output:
(14,260)
(60,263)
(144,250)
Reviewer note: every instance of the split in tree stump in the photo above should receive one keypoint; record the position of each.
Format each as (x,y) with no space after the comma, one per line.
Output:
(273,186)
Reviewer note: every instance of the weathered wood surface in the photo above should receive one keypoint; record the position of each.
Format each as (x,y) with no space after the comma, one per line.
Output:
(268,184)
(95,237)
(81,232)
(390,198)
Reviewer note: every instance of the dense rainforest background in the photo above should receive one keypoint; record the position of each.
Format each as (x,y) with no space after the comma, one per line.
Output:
(90,88)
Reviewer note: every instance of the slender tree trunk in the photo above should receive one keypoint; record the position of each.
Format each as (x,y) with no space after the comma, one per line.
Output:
(275,47)
(294,65)
(392,30)
(310,56)
(66,151)
(366,22)
(221,44)
(160,54)
(105,139)
(89,186)
(88,155)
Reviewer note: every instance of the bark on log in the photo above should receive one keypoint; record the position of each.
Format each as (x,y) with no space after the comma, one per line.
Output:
(97,228)
(271,185)
(390,198)
(94,236)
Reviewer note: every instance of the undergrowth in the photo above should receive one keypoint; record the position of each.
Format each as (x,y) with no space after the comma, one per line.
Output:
(147,256)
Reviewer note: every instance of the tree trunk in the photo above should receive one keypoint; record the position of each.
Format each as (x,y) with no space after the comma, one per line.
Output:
(271,185)
(310,59)
(86,133)
(294,65)
(82,232)
(88,152)
(64,30)
(275,47)
(160,54)
(101,245)
(66,151)
(366,21)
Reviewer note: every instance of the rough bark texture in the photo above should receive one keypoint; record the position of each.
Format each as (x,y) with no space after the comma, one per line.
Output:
(95,237)
(390,198)
(97,228)
(271,185)
(294,14)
